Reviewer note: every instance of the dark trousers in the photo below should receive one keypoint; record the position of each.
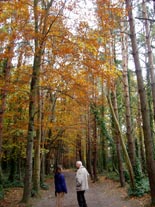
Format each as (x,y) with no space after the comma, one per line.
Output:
(81,199)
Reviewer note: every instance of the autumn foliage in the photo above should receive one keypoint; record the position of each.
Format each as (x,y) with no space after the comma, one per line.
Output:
(56,71)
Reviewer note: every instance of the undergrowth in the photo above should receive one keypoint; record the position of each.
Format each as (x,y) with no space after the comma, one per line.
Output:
(141,188)
(141,182)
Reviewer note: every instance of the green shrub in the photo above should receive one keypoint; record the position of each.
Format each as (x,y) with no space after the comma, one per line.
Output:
(112,175)
(15,183)
(140,188)
(126,176)
(142,183)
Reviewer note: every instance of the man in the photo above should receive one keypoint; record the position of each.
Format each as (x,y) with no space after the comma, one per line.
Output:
(81,183)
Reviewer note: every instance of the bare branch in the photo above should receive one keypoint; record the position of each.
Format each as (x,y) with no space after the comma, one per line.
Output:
(141,18)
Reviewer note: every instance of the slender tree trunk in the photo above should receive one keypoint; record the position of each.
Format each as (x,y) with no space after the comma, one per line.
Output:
(94,148)
(144,108)
(117,140)
(37,157)
(31,130)
(53,100)
(103,141)
(127,159)
(42,171)
(141,139)
(150,54)
(88,147)
(129,132)
(32,112)
(149,101)
(103,152)
(19,163)
(79,148)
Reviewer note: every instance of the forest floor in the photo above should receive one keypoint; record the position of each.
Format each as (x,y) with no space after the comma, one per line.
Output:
(104,193)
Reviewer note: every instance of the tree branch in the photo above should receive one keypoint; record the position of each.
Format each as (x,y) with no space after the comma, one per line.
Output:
(141,18)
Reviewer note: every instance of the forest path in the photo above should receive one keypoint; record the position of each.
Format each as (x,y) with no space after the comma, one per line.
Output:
(104,193)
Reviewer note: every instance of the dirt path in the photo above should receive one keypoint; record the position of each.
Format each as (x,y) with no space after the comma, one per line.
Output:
(104,193)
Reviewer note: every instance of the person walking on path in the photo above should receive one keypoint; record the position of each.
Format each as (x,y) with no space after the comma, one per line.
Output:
(81,183)
(60,186)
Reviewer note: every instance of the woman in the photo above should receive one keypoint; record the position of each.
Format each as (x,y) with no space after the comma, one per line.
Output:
(60,186)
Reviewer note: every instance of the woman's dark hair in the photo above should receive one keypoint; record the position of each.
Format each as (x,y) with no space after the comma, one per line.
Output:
(58,169)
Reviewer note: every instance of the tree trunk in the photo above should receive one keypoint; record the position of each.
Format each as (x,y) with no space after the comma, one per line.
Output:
(103,140)
(37,157)
(31,130)
(129,131)
(144,108)
(117,141)
(141,140)
(53,100)
(88,147)
(42,171)
(149,101)
(127,159)
(150,54)
(79,148)
(94,148)
(32,112)
(103,152)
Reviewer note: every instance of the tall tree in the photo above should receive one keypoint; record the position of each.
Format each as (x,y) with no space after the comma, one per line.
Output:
(143,101)
(39,43)
(129,130)
(149,52)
